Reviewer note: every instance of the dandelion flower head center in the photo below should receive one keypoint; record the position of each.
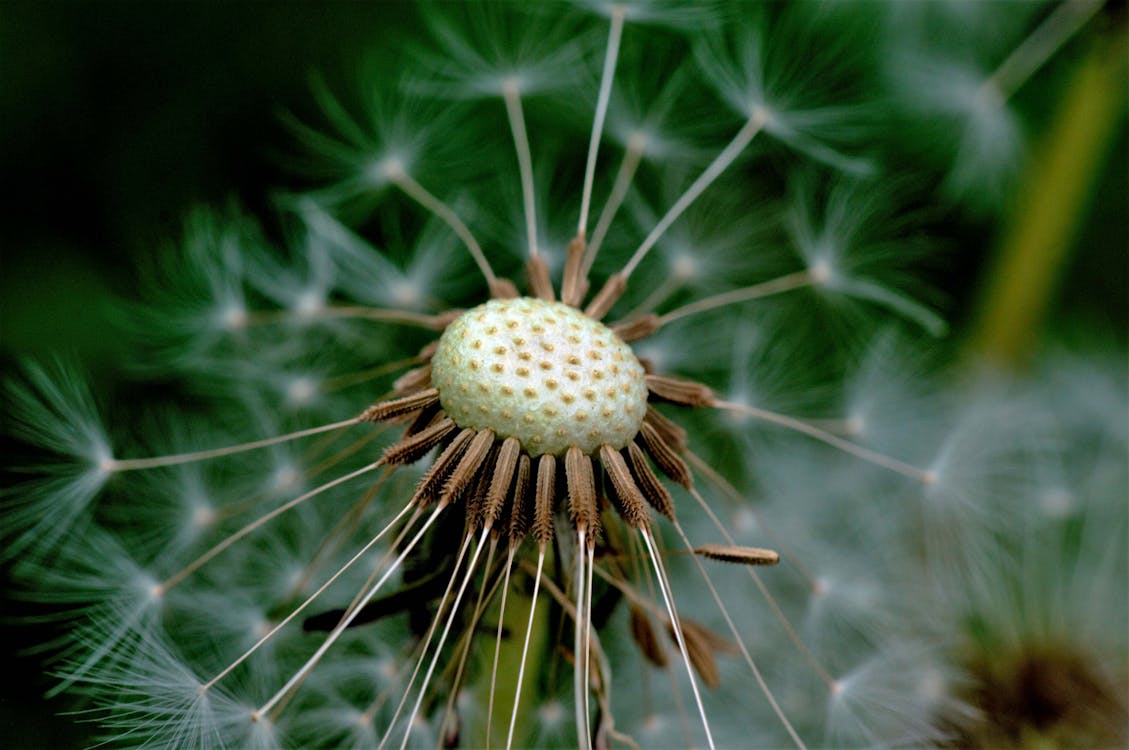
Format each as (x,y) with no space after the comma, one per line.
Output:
(541,372)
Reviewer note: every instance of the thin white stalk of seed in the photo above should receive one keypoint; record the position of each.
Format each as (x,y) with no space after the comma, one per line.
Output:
(448,710)
(615,32)
(443,638)
(580,690)
(657,296)
(866,454)
(309,600)
(740,643)
(341,626)
(439,612)
(631,159)
(498,643)
(417,192)
(359,312)
(133,464)
(193,566)
(350,379)
(588,644)
(525,647)
(1036,49)
(638,551)
(787,283)
(722,162)
(511,94)
(668,599)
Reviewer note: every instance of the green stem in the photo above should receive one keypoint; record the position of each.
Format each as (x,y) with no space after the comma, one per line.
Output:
(1050,205)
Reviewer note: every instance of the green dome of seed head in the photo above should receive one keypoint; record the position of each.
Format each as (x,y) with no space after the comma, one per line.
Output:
(542,372)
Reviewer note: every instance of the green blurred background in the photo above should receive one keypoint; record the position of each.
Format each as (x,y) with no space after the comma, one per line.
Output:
(115,118)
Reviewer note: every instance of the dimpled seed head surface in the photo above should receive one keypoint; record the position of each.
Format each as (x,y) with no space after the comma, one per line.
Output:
(541,372)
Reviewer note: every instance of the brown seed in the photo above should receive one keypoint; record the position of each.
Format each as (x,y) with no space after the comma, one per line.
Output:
(574,285)
(581,484)
(467,467)
(646,639)
(700,647)
(521,514)
(664,456)
(401,406)
(671,433)
(632,506)
(537,272)
(645,479)
(738,555)
(502,470)
(545,499)
(636,328)
(685,392)
(412,448)
(612,290)
(433,478)
(413,380)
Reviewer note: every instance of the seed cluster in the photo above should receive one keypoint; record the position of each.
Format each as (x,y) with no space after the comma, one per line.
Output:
(542,372)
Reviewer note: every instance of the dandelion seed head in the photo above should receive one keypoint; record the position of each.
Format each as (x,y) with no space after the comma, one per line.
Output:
(551,713)
(302,391)
(822,272)
(233,316)
(202,515)
(387,169)
(1057,502)
(541,372)
(309,303)
(745,521)
(285,478)
(684,266)
(407,293)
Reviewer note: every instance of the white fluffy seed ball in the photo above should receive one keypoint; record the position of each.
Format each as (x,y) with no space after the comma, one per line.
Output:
(542,372)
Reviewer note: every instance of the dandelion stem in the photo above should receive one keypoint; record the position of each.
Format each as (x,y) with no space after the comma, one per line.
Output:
(664,587)
(631,159)
(195,565)
(525,647)
(580,688)
(133,464)
(512,96)
(786,283)
(727,156)
(798,425)
(1054,32)
(610,57)
(341,626)
(419,194)
(1041,230)
(498,642)
(309,600)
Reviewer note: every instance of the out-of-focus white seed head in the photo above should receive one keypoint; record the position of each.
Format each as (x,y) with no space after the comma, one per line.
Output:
(542,372)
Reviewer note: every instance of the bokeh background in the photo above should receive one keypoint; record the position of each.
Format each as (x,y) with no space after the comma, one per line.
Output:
(116,118)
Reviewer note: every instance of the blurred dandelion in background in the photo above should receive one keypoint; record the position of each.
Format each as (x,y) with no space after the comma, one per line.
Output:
(590,383)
